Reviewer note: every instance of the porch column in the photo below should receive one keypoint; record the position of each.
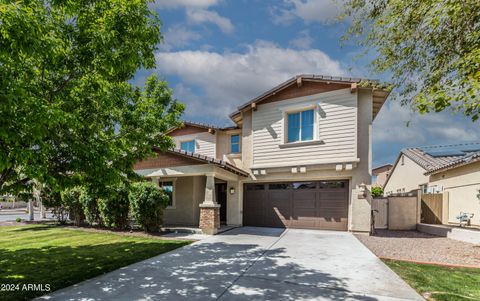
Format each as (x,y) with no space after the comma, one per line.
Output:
(210,209)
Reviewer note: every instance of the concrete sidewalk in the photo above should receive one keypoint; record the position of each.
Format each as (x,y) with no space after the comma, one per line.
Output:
(253,264)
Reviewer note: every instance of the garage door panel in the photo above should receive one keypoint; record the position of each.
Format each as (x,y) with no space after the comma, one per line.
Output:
(311,205)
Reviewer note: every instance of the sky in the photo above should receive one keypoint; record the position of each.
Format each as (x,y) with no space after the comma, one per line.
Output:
(219,54)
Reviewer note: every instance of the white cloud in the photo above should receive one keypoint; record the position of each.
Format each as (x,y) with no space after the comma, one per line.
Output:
(399,124)
(303,41)
(185,3)
(229,79)
(178,36)
(199,16)
(322,11)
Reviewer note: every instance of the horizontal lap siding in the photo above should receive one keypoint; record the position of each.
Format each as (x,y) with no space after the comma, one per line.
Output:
(337,129)
(204,143)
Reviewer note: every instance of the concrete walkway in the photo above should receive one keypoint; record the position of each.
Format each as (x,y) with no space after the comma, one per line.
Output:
(253,264)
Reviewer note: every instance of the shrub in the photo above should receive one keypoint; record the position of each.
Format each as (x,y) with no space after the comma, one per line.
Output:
(71,200)
(377,191)
(18,219)
(147,202)
(114,208)
(90,208)
(53,199)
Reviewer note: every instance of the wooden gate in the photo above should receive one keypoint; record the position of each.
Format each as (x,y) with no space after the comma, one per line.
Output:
(381,217)
(432,208)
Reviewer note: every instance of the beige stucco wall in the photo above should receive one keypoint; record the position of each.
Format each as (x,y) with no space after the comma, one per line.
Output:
(402,213)
(188,193)
(462,185)
(381,178)
(360,207)
(408,176)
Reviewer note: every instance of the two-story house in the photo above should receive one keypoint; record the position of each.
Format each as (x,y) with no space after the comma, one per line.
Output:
(296,157)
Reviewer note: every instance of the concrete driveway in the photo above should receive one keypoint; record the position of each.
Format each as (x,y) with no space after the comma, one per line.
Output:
(253,264)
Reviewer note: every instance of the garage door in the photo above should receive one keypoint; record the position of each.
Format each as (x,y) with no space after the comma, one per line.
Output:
(309,205)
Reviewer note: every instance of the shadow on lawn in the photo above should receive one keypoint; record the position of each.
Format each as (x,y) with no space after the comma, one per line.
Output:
(37,227)
(204,271)
(61,266)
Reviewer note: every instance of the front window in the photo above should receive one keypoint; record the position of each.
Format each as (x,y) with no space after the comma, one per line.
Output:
(235,144)
(300,126)
(188,146)
(167,187)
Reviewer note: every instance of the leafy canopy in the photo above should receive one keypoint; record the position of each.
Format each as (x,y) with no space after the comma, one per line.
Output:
(67,109)
(431,48)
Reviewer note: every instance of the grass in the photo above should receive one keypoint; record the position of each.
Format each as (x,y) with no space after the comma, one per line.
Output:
(42,254)
(439,282)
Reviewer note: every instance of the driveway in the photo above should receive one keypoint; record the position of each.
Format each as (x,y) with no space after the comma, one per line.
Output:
(253,264)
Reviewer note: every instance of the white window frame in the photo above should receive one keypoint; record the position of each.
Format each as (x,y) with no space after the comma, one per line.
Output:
(299,109)
(174,192)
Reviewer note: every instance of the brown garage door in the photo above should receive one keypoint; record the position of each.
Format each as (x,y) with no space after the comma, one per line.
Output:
(310,205)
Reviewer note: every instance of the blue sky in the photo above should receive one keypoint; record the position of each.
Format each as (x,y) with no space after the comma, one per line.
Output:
(218,54)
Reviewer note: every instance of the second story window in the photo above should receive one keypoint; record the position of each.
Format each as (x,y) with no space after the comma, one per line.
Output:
(188,146)
(300,126)
(235,144)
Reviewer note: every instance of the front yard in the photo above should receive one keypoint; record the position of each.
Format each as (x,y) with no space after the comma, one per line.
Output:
(406,253)
(439,283)
(59,257)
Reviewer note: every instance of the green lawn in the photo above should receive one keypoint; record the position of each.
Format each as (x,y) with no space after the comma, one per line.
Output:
(41,254)
(444,283)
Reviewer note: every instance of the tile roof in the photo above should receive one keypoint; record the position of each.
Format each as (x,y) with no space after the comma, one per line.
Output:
(443,157)
(220,163)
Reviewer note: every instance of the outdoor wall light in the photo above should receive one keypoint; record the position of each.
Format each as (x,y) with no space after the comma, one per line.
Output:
(232,190)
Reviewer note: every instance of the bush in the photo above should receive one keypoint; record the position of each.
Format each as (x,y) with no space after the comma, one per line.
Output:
(18,219)
(114,208)
(71,200)
(90,208)
(147,202)
(377,191)
(53,199)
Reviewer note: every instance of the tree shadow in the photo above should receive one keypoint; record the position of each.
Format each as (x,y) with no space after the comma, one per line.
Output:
(38,227)
(212,270)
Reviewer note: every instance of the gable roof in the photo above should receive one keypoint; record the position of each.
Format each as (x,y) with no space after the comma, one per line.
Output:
(381,168)
(205,159)
(380,88)
(438,158)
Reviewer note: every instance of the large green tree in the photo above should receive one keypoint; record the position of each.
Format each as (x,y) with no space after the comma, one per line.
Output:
(67,109)
(431,49)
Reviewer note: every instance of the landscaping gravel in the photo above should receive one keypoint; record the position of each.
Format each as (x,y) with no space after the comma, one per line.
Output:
(421,247)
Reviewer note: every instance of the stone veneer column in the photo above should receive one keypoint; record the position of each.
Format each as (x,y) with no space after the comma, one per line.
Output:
(210,209)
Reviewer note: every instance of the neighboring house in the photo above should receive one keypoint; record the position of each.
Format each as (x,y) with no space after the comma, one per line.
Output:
(296,157)
(435,169)
(380,174)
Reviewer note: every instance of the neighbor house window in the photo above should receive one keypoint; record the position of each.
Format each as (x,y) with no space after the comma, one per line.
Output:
(300,126)
(235,144)
(188,146)
(167,187)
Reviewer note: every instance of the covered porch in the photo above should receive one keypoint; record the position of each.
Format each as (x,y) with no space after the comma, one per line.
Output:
(204,192)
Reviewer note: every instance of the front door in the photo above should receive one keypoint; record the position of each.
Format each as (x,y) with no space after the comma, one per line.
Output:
(221,196)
